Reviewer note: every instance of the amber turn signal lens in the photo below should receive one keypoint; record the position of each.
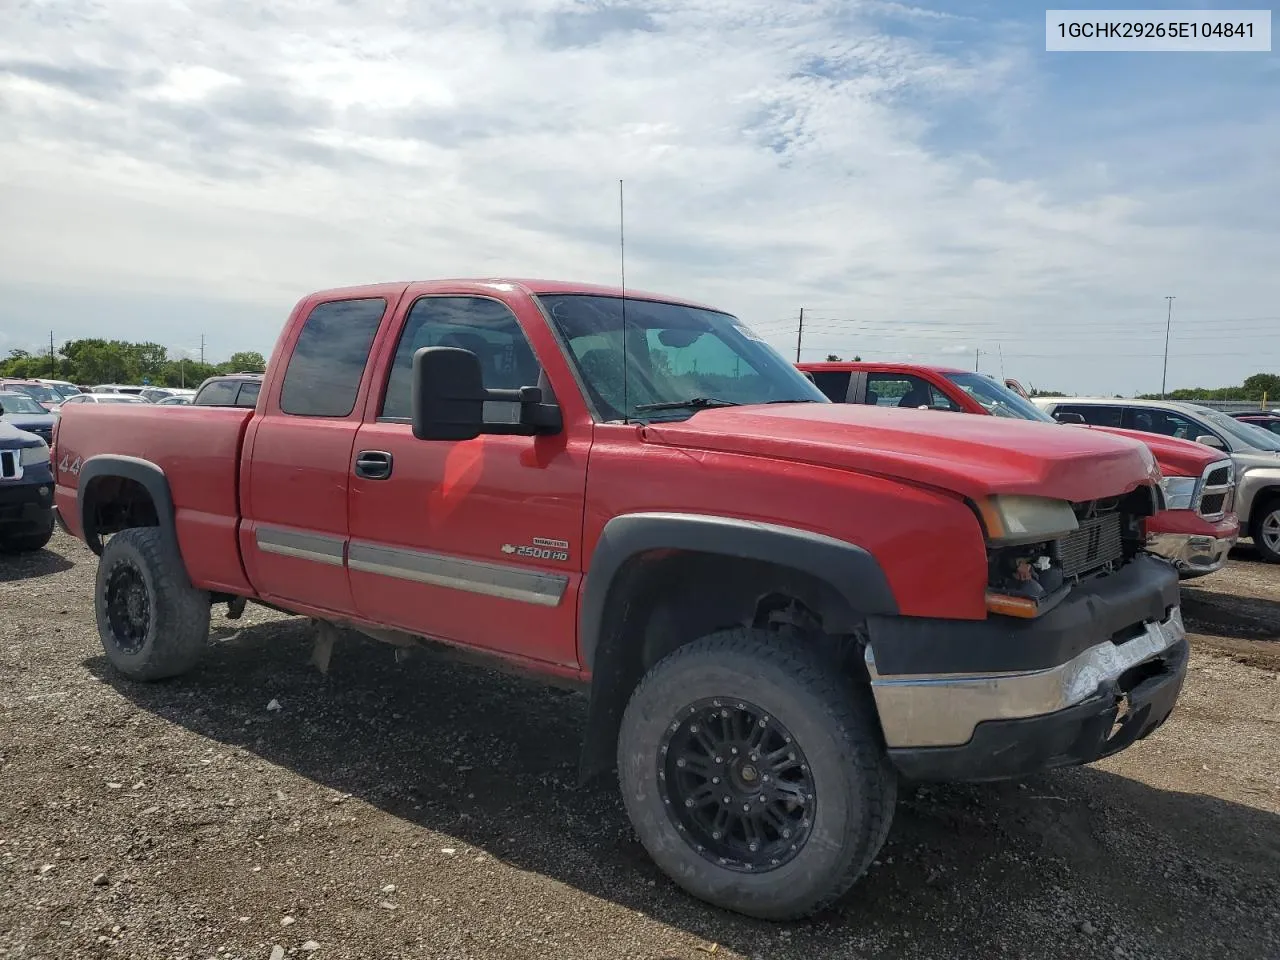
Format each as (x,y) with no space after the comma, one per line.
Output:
(1012,606)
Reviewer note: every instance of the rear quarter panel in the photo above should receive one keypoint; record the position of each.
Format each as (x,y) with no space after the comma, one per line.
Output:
(197,449)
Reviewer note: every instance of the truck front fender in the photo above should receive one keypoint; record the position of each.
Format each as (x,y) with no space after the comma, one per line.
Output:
(848,568)
(846,580)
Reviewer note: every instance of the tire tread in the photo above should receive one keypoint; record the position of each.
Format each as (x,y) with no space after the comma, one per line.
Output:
(856,728)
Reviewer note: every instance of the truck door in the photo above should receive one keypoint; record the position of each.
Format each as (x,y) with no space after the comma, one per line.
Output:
(294,497)
(476,542)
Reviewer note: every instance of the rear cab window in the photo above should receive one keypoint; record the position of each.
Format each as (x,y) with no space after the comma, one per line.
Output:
(329,358)
(833,383)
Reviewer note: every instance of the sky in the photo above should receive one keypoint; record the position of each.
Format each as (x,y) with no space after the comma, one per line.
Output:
(922,178)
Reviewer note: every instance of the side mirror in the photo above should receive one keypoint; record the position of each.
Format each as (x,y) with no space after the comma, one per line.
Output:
(1209,440)
(1065,417)
(449,398)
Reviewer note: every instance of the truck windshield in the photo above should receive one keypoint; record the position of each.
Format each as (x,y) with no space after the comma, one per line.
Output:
(997,399)
(676,358)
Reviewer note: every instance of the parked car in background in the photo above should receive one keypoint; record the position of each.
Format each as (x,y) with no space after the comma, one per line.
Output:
(229,390)
(124,388)
(26,491)
(42,393)
(1195,531)
(157,394)
(25,413)
(62,388)
(177,398)
(102,398)
(1265,421)
(1254,451)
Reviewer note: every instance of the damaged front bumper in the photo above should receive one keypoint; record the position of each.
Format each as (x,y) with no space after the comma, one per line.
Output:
(1117,656)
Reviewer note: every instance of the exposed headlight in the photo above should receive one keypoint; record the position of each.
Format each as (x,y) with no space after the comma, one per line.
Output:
(34,455)
(1020,519)
(1179,492)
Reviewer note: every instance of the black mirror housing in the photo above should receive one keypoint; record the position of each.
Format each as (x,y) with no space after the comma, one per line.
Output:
(1065,417)
(449,397)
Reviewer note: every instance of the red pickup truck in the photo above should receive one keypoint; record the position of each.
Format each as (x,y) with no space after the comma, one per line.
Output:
(1195,531)
(778,605)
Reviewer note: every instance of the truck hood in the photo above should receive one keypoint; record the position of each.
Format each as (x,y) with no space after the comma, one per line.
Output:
(1177,458)
(970,456)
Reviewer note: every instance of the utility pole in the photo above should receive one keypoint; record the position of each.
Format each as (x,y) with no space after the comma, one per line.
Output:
(1001,348)
(53,367)
(977,352)
(1168,322)
(799,334)
(202,349)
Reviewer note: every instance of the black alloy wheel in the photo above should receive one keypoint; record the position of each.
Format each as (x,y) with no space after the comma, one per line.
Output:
(737,785)
(128,607)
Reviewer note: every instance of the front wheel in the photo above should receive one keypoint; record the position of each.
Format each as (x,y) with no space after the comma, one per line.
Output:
(754,774)
(152,622)
(1266,530)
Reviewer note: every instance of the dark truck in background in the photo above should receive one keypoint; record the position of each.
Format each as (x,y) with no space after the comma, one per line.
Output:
(777,606)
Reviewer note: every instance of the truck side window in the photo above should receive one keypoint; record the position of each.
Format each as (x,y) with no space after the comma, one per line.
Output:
(904,390)
(329,358)
(834,383)
(1099,416)
(1163,422)
(485,327)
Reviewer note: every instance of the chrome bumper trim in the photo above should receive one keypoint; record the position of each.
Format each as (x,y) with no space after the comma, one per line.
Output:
(943,710)
(1191,553)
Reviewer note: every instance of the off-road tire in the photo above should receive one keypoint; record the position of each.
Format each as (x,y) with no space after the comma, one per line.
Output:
(831,719)
(177,629)
(28,542)
(1269,508)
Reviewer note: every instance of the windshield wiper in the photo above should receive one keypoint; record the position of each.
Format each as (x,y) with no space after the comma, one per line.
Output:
(796,400)
(693,403)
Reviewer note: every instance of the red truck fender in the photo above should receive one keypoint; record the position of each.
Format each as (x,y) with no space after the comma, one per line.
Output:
(149,495)
(839,583)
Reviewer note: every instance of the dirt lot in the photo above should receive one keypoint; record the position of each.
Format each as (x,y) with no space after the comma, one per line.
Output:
(428,809)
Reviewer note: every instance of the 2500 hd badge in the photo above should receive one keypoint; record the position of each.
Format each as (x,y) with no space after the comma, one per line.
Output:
(542,549)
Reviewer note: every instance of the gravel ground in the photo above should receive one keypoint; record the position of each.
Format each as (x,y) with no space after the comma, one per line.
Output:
(429,809)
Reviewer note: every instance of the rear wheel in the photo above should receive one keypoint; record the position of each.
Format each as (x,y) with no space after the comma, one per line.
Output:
(152,622)
(28,541)
(754,774)
(1266,530)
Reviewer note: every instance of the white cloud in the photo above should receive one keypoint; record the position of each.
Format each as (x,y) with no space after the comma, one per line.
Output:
(776,155)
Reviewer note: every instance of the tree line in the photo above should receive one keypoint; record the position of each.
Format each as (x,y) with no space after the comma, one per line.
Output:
(92,361)
(1260,386)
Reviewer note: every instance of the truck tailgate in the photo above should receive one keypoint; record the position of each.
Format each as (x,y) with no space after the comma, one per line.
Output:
(197,449)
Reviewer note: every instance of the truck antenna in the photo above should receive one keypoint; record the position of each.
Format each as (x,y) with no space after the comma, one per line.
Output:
(622,257)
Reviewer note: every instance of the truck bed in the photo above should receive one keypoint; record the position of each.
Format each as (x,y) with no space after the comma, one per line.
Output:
(197,448)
